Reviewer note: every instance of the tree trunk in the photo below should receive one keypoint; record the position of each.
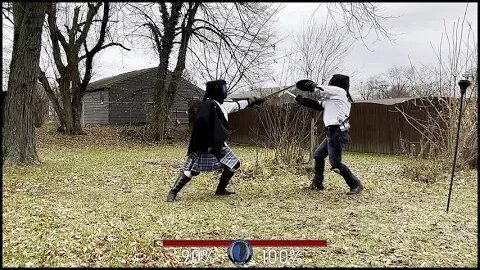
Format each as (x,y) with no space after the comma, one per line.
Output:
(160,118)
(161,100)
(177,73)
(72,119)
(67,108)
(19,131)
(70,112)
(39,106)
(77,117)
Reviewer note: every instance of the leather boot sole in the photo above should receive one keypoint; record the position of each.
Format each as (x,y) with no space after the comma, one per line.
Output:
(171,197)
(314,187)
(224,192)
(356,190)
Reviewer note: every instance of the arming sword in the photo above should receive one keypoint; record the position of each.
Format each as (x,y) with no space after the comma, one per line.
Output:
(276,93)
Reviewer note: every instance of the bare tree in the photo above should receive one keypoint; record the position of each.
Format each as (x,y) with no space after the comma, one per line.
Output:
(7,42)
(376,88)
(72,58)
(285,125)
(243,62)
(178,23)
(397,82)
(285,129)
(360,19)
(165,23)
(439,125)
(319,52)
(19,132)
(39,105)
(322,49)
(400,80)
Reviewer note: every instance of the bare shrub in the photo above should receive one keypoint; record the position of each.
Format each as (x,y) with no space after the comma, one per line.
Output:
(421,170)
(438,125)
(286,130)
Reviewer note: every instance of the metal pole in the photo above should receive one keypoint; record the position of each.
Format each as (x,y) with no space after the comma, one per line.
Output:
(463,86)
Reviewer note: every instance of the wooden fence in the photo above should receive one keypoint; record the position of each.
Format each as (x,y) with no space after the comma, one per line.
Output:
(376,127)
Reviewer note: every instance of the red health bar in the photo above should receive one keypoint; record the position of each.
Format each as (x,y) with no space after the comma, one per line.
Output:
(254,243)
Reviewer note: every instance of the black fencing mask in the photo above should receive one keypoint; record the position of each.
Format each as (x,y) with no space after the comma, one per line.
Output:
(216,90)
(342,81)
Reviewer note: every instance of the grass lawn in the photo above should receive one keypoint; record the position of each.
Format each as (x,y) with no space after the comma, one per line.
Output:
(97,200)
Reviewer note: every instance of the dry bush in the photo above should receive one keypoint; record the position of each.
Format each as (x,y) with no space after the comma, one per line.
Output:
(286,130)
(421,170)
(438,129)
(438,125)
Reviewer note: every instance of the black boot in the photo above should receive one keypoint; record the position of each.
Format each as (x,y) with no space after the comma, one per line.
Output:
(352,181)
(222,185)
(182,180)
(317,182)
(356,189)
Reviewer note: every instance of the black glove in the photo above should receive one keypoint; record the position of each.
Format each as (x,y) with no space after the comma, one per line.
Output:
(308,102)
(255,101)
(299,99)
(306,85)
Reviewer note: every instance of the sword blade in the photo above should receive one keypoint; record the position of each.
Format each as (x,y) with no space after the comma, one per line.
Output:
(290,93)
(277,92)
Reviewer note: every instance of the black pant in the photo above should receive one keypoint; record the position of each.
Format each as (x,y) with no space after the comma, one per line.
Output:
(332,147)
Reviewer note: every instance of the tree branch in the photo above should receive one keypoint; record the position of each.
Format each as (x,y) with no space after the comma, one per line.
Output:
(92,11)
(50,93)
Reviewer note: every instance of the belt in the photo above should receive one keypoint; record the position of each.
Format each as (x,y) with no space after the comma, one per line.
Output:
(343,127)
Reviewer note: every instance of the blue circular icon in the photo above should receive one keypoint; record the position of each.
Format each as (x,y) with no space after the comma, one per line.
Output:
(240,252)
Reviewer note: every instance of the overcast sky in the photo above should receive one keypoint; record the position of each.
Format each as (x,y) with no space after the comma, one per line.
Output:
(417,26)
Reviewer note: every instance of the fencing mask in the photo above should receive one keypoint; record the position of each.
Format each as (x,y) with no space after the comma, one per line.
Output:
(342,81)
(216,90)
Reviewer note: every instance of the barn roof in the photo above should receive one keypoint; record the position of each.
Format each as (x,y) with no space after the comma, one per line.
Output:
(110,81)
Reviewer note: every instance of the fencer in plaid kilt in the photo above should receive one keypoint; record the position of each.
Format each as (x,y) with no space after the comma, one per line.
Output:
(210,123)
(203,162)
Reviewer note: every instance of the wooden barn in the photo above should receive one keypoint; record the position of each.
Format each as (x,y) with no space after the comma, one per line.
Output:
(126,99)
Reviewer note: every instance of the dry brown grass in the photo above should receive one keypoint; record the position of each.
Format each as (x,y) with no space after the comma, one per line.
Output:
(98,200)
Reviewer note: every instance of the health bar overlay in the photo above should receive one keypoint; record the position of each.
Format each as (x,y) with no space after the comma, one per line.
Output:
(254,243)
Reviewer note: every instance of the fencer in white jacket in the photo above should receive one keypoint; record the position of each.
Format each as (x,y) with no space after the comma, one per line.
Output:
(335,102)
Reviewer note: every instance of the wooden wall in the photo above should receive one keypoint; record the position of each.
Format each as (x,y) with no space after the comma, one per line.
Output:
(375,128)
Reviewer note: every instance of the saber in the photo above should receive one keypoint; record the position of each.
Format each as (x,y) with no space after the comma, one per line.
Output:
(290,93)
(278,92)
(274,94)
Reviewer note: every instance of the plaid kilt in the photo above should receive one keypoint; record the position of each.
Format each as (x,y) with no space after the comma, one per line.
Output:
(203,161)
